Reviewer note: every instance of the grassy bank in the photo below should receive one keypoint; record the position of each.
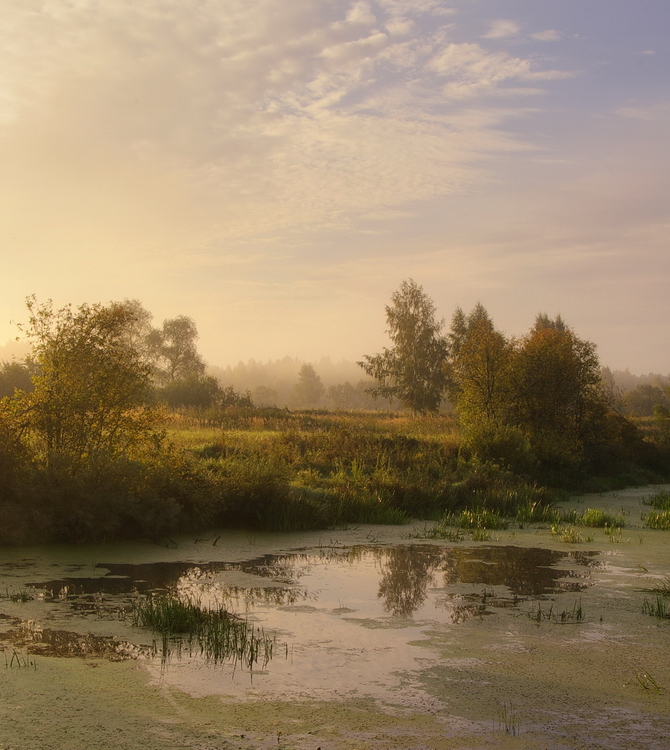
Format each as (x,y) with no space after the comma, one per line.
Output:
(273,469)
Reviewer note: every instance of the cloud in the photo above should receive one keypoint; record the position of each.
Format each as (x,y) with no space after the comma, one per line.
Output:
(550,35)
(502,30)
(261,116)
(635,113)
(474,71)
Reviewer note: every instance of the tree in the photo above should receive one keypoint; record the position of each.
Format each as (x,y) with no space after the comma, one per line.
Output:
(643,400)
(90,394)
(15,376)
(479,369)
(194,390)
(201,392)
(413,370)
(263,395)
(559,401)
(309,389)
(174,351)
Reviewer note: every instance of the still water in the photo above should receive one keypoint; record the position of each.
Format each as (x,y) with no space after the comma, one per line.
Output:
(344,617)
(451,630)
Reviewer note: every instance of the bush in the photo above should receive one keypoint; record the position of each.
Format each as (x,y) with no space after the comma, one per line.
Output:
(506,446)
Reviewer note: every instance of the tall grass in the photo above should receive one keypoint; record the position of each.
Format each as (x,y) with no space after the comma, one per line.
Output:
(219,635)
(660,517)
(273,469)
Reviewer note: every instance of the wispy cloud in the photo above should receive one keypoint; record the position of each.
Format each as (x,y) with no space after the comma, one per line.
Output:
(213,154)
(550,35)
(286,117)
(502,29)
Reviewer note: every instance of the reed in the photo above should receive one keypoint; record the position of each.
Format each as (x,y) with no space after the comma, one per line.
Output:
(218,634)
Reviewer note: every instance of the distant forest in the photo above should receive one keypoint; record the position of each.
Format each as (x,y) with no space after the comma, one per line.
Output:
(345,385)
(273,383)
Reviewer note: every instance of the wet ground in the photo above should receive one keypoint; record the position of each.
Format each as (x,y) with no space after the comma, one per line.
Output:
(384,639)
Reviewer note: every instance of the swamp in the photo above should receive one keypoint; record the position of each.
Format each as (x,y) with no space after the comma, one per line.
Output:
(362,636)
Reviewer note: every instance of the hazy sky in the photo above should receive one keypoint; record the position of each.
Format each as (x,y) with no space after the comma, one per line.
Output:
(275,168)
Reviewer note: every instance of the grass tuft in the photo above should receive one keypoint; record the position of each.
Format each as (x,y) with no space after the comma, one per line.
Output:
(220,635)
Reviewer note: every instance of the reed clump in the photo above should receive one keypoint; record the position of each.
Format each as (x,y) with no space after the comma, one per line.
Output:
(659,518)
(218,634)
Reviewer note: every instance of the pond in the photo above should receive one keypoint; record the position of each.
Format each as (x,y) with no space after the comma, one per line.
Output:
(381,637)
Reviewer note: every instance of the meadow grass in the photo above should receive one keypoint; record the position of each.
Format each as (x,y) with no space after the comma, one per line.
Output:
(275,469)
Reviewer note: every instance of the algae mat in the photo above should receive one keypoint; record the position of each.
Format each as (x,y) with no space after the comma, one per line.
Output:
(384,640)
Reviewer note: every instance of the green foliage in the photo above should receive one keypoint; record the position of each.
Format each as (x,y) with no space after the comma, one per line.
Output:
(219,635)
(569,534)
(413,370)
(88,402)
(658,519)
(536,511)
(660,500)
(200,392)
(657,607)
(646,400)
(504,445)
(480,370)
(596,518)
(477,518)
(558,399)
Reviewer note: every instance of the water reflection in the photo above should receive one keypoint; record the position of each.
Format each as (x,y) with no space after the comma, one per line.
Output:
(405,575)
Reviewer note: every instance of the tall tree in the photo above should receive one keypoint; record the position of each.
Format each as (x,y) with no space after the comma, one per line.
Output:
(558,380)
(15,376)
(479,369)
(413,370)
(174,351)
(309,389)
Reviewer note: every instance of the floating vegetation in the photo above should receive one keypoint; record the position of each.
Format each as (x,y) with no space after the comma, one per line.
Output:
(480,535)
(440,531)
(476,518)
(569,534)
(537,511)
(660,501)
(509,720)
(596,518)
(567,616)
(662,587)
(218,634)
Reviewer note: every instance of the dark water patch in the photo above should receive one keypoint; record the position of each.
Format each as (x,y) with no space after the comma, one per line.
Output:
(405,573)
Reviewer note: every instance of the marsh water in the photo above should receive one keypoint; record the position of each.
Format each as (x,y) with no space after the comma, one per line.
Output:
(520,640)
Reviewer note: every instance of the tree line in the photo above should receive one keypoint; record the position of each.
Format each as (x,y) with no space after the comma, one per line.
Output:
(534,399)
(84,452)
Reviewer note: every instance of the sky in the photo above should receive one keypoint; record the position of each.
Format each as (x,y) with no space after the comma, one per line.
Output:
(275,169)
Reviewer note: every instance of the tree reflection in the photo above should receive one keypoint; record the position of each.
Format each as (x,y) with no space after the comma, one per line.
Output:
(405,575)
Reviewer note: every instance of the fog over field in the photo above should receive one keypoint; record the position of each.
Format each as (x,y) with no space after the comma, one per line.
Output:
(274,170)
